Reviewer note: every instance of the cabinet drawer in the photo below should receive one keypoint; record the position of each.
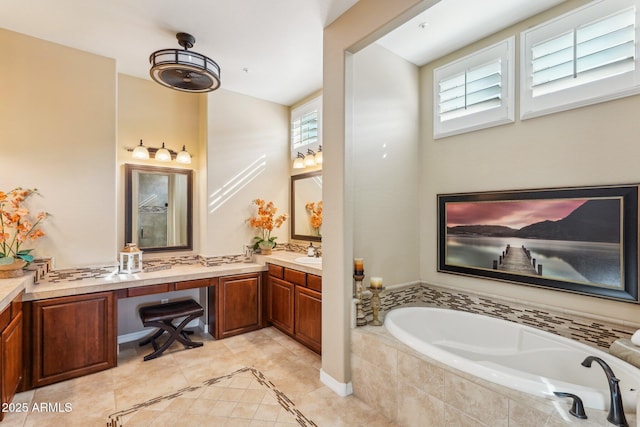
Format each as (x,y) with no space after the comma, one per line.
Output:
(190,284)
(314,282)
(276,271)
(295,276)
(148,290)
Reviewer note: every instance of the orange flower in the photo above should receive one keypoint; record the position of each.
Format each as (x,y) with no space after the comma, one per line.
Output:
(266,220)
(15,225)
(316,214)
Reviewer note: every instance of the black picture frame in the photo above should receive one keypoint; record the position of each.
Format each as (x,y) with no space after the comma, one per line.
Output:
(577,239)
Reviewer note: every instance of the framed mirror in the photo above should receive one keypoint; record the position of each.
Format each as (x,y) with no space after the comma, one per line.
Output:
(306,193)
(158,208)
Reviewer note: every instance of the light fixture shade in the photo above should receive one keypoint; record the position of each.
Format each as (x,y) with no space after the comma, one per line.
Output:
(184,70)
(318,156)
(309,159)
(163,155)
(298,163)
(184,156)
(140,152)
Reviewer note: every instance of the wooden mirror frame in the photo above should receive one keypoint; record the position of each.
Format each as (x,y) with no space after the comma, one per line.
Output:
(295,235)
(128,205)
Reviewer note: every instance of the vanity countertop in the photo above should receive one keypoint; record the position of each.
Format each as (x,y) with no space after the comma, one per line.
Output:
(288,259)
(110,281)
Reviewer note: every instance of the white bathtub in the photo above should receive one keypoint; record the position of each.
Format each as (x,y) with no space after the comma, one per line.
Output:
(512,355)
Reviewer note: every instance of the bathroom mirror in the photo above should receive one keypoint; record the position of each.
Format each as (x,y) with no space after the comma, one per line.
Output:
(306,189)
(158,208)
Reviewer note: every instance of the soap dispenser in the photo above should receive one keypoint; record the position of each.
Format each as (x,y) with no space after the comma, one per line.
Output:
(311,250)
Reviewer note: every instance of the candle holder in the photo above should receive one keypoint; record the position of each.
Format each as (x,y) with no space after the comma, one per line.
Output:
(375,305)
(361,320)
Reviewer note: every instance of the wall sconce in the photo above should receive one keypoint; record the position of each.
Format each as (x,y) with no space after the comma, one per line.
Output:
(162,154)
(311,159)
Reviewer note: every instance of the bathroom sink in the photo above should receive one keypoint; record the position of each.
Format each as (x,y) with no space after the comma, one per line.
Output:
(309,260)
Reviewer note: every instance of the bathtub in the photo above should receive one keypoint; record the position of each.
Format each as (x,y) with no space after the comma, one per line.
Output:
(513,355)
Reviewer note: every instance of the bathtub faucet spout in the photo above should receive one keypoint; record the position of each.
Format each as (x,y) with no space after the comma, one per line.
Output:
(616,412)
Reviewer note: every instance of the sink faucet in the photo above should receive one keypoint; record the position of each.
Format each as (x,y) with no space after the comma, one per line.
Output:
(616,412)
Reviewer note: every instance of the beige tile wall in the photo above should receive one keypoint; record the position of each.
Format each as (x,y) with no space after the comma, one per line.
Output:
(412,390)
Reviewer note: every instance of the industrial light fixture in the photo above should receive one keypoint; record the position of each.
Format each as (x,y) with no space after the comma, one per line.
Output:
(184,70)
(163,154)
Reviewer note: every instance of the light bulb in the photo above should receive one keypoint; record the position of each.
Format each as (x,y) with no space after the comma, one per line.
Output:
(140,152)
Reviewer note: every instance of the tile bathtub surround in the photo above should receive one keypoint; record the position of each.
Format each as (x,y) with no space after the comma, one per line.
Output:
(293,370)
(413,390)
(597,332)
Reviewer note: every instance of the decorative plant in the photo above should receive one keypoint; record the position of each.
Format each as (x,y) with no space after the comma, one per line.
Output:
(266,221)
(315,209)
(16,227)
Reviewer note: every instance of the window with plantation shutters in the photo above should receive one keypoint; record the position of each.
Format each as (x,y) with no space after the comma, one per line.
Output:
(581,58)
(306,126)
(474,92)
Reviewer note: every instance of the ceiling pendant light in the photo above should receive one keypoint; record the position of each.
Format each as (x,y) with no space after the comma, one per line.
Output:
(163,155)
(183,156)
(140,152)
(184,70)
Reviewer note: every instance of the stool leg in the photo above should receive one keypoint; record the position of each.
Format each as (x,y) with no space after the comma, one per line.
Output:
(152,338)
(175,333)
(181,333)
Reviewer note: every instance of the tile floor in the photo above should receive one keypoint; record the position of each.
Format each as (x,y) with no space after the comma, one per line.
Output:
(291,367)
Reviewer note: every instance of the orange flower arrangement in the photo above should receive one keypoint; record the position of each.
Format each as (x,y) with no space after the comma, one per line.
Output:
(265,222)
(316,214)
(16,227)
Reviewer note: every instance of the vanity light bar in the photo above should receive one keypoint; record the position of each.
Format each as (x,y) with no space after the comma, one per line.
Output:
(163,154)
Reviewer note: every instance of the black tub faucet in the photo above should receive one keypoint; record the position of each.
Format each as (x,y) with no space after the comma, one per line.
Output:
(616,412)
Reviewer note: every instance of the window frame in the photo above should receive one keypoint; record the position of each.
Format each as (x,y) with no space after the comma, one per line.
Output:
(298,113)
(581,95)
(503,114)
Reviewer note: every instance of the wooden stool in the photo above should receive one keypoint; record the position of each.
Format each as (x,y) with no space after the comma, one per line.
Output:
(162,316)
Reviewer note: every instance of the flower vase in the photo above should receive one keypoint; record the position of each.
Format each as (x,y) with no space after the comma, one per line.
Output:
(15,269)
(266,247)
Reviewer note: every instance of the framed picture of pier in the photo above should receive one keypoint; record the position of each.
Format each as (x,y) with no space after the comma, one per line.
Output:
(582,240)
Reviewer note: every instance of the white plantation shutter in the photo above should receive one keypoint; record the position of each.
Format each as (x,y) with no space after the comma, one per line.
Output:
(305,126)
(474,92)
(586,56)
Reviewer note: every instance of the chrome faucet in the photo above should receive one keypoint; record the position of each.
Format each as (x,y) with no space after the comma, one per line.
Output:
(616,412)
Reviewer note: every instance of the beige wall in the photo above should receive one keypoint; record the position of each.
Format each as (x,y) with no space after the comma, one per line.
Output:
(357,27)
(385,150)
(155,114)
(586,146)
(248,152)
(57,134)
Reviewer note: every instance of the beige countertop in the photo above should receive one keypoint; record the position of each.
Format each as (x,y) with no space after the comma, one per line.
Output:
(10,288)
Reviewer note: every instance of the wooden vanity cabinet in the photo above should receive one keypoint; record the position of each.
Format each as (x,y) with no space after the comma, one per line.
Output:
(238,305)
(294,304)
(72,336)
(11,351)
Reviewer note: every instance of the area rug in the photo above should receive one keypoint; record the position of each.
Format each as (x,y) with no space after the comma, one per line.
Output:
(242,395)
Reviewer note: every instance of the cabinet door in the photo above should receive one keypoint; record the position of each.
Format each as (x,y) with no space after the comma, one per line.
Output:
(281,304)
(309,318)
(11,359)
(73,336)
(240,305)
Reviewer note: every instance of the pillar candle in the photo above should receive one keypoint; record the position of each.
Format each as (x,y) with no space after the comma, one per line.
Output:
(375,282)
(358,264)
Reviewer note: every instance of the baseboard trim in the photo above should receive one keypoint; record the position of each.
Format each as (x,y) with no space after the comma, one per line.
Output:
(341,389)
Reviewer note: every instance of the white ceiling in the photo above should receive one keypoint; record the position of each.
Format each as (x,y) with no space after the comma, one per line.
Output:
(268,49)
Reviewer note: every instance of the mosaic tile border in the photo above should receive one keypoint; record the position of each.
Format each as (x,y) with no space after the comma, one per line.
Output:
(116,419)
(583,328)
